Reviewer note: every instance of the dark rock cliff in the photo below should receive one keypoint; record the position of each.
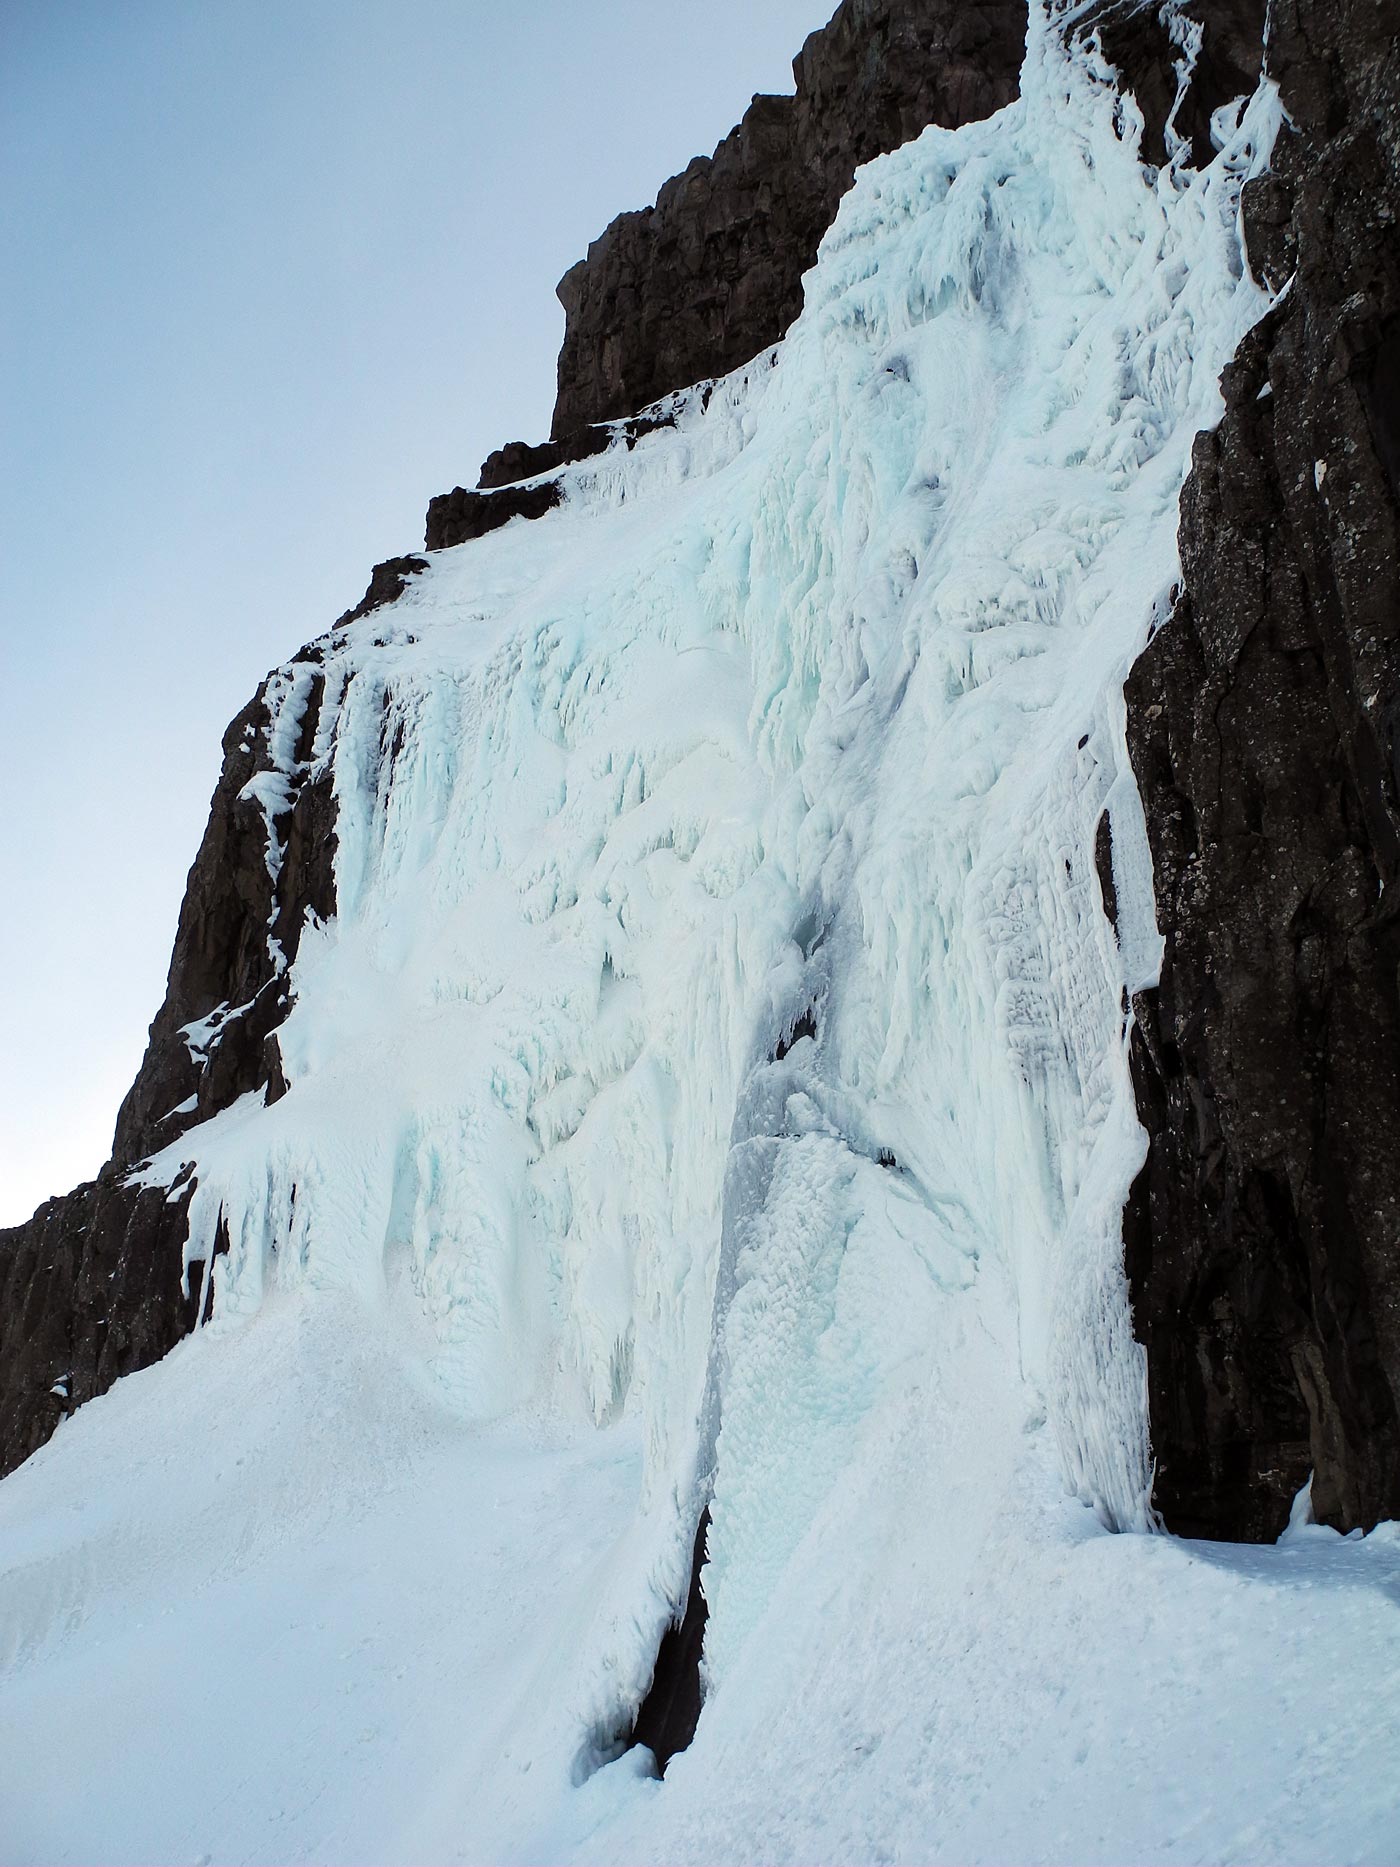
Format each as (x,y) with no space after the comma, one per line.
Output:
(456,517)
(90,1287)
(712,274)
(1263,1235)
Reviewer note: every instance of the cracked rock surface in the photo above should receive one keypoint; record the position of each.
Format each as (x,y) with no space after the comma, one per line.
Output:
(711,274)
(1263,1235)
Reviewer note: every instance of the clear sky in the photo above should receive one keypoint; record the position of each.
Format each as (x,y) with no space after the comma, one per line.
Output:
(276,271)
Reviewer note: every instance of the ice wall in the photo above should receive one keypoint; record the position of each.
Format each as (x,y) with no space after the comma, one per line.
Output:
(721,1026)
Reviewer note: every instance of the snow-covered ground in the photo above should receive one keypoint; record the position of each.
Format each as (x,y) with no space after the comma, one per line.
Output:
(275,1601)
(794,723)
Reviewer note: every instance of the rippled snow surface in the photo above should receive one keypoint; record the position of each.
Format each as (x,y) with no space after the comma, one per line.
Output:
(788,733)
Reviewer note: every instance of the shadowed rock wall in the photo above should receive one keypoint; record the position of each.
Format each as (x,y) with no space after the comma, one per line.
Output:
(712,274)
(1263,1235)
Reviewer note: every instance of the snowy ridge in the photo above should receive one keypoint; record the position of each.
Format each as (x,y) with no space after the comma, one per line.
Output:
(789,732)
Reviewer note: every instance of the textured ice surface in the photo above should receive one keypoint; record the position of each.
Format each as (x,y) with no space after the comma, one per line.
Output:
(788,732)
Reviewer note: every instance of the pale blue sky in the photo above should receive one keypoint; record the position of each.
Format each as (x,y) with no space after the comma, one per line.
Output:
(276,271)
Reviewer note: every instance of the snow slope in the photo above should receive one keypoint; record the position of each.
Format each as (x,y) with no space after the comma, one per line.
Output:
(789,732)
(273,1600)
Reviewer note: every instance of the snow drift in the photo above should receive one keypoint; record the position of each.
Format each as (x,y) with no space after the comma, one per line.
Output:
(712,1093)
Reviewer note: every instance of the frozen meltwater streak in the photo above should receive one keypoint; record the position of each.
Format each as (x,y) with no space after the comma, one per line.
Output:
(799,717)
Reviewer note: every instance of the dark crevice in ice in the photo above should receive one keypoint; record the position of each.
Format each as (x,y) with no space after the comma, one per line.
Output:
(806,1026)
(667,1716)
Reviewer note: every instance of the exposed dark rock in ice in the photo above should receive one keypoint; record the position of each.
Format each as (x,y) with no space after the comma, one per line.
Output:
(513,482)
(387,583)
(1263,1235)
(711,275)
(1146,43)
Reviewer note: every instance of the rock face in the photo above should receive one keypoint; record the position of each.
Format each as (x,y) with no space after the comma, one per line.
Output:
(1263,1235)
(712,274)
(457,517)
(90,1287)
(667,1716)
(387,583)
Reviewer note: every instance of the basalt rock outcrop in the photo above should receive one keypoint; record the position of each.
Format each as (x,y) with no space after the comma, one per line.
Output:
(711,275)
(1263,1235)
(515,481)
(457,517)
(387,583)
(90,1286)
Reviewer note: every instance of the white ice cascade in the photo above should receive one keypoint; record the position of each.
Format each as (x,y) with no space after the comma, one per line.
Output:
(790,731)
